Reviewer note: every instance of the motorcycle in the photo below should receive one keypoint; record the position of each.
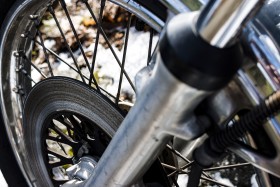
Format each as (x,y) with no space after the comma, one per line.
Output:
(203,104)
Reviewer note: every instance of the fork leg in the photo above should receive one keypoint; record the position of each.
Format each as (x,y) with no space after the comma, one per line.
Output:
(165,105)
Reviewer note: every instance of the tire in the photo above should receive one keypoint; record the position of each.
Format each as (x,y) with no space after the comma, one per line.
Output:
(17,137)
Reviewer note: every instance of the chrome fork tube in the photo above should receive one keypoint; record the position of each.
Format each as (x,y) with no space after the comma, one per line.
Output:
(220,21)
(147,129)
(165,108)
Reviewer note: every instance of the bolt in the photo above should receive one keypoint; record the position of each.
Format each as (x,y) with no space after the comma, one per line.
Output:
(23,35)
(16,54)
(20,67)
(33,17)
(21,92)
(15,90)
(24,71)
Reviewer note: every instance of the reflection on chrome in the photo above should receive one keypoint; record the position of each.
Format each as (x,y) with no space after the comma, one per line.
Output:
(260,79)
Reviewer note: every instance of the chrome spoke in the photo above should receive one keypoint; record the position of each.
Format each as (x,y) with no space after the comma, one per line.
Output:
(182,168)
(177,153)
(214,181)
(174,168)
(227,167)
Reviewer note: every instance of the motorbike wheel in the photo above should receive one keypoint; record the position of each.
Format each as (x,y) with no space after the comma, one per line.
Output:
(52,121)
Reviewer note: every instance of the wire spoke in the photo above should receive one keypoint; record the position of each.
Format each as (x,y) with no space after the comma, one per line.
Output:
(178,170)
(186,166)
(227,167)
(60,163)
(77,127)
(86,78)
(35,67)
(174,168)
(65,41)
(177,153)
(109,44)
(96,42)
(37,23)
(62,158)
(214,181)
(63,5)
(24,72)
(124,57)
(20,66)
(59,58)
(59,139)
(63,138)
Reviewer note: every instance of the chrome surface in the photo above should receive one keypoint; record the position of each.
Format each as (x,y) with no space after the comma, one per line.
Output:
(141,137)
(220,21)
(179,7)
(186,148)
(203,1)
(266,51)
(227,103)
(143,76)
(10,102)
(17,24)
(268,164)
(258,81)
(261,41)
(83,169)
(141,12)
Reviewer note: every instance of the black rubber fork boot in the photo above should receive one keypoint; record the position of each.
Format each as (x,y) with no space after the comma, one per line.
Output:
(196,63)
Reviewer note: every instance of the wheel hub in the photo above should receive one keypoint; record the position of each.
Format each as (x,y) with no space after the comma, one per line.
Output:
(83,169)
